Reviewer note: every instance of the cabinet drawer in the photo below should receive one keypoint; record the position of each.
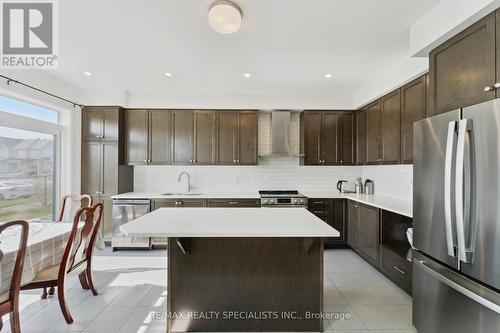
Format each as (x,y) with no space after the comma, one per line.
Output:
(179,203)
(318,204)
(249,203)
(397,268)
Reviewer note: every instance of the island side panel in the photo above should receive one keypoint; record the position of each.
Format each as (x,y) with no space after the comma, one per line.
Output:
(281,278)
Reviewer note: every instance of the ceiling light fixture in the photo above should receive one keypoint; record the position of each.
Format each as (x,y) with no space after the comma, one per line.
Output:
(168,74)
(247,75)
(329,75)
(87,73)
(224,17)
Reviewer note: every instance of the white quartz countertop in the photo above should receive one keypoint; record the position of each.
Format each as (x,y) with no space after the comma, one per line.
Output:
(396,205)
(206,195)
(229,222)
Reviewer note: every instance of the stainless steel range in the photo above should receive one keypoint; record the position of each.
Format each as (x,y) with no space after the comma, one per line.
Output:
(282,198)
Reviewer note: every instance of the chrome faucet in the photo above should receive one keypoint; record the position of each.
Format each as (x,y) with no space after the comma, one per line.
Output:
(188,180)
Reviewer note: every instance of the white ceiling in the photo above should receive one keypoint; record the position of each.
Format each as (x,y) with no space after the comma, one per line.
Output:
(287,45)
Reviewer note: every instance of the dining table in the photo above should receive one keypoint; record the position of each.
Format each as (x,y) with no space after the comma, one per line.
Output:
(46,244)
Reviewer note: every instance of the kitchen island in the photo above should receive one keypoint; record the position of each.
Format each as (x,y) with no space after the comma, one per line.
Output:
(245,269)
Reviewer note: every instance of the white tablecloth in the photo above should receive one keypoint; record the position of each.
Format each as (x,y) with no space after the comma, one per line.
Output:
(46,244)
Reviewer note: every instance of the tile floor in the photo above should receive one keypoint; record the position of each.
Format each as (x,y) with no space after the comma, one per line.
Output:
(132,290)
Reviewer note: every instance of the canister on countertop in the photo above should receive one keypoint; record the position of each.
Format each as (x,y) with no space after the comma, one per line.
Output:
(369,188)
(359,185)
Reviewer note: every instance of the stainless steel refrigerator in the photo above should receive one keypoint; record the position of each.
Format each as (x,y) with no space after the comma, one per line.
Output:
(456,221)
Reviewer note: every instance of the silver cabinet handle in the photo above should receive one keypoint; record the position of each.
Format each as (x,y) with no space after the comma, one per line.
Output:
(496,85)
(237,161)
(448,277)
(233,202)
(488,88)
(447,187)
(463,126)
(399,270)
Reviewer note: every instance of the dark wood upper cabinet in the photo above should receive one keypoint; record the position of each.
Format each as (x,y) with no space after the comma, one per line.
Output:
(461,68)
(137,136)
(227,137)
(348,135)
(312,122)
(373,129)
(101,123)
(361,137)
(412,109)
(330,138)
(147,136)
(182,137)
(390,120)
(248,134)
(204,137)
(159,136)
(327,137)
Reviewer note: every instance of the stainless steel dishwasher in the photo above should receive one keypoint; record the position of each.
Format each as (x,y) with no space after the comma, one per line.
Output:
(126,210)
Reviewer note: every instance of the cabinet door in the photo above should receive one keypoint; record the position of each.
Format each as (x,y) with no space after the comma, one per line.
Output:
(412,110)
(227,137)
(91,168)
(352,224)
(159,136)
(248,131)
(204,133)
(92,123)
(391,127)
(182,137)
(337,216)
(109,164)
(312,137)
(460,68)
(347,156)
(111,123)
(137,136)
(369,232)
(373,133)
(361,137)
(330,138)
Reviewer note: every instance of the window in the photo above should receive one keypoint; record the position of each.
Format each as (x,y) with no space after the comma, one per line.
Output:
(20,108)
(30,155)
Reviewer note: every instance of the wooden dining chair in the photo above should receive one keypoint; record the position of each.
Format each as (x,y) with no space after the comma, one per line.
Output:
(69,206)
(9,300)
(77,258)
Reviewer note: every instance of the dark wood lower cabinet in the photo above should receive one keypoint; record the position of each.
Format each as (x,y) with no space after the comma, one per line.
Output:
(333,212)
(379,237)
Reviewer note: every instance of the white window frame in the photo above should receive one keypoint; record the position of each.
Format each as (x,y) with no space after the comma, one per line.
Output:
(34,125)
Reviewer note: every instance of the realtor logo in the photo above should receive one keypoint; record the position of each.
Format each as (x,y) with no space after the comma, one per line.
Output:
(28,32)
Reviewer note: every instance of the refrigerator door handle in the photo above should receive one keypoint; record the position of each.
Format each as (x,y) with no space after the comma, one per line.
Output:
(464,125)
(452,279)
(447,188)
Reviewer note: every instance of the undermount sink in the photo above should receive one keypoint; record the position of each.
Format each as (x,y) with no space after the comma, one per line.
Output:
(186,193)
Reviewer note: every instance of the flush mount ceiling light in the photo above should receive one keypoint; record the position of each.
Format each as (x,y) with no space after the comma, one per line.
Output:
(247,75)
(168,74)
(329,75)
(87,73)
(224,17)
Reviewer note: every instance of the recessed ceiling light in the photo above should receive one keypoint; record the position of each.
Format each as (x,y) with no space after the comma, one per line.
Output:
(329,75)
(247,75)
(168,74)
(87,73)
(224,17)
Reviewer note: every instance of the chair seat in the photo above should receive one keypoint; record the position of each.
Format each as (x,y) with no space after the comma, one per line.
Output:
(47,274)
(4,296)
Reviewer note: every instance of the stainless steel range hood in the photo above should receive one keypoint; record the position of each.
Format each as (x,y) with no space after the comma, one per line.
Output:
(280,133)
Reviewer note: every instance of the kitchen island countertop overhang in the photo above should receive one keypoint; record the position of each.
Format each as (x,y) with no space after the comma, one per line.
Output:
(229,222)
